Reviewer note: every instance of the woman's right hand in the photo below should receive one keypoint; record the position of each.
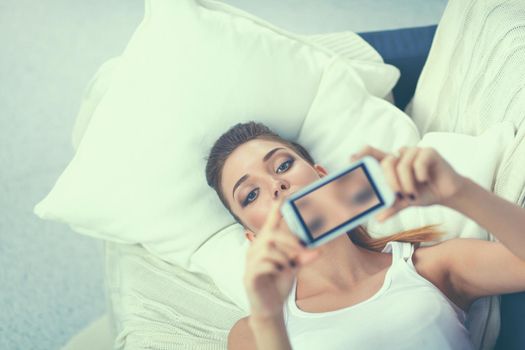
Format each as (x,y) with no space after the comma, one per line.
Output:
(272,261)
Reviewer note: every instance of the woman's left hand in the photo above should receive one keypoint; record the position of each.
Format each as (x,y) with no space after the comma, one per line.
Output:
(419,176)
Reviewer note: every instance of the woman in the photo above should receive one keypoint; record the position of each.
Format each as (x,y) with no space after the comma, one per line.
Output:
(355,292)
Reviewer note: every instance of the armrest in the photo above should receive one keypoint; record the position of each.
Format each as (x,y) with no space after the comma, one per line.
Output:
(511,336)
(407,49)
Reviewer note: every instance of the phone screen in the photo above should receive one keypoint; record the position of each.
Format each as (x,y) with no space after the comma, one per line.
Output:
(345,198)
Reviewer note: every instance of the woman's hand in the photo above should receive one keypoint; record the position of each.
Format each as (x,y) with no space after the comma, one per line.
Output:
(272,261)
(419,176)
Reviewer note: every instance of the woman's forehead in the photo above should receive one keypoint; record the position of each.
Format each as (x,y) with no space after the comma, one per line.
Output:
(260,146)
(246,157)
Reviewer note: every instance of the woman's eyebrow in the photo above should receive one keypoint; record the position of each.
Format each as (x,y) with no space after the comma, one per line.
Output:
(246,176)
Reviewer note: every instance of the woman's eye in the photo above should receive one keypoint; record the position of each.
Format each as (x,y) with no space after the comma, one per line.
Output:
(285,166)
(250,197)
(362,197)
(316,224)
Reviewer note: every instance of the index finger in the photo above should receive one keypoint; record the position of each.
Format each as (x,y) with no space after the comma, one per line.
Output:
(272,220)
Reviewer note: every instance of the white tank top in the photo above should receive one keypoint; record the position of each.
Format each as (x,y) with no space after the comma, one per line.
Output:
(408,312)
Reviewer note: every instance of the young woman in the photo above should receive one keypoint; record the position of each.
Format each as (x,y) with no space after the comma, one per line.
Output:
(356,292)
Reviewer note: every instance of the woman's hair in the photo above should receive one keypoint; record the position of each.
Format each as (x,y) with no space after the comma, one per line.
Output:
(244,132)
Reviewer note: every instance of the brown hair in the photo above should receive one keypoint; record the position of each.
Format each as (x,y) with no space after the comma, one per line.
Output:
(244,132)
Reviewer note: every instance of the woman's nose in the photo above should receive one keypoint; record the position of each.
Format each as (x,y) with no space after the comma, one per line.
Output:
(281,187)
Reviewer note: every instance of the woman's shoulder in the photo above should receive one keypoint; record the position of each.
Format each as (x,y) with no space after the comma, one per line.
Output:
(432,259)
(241,336)
(427,261)
(431,263)
(435,257)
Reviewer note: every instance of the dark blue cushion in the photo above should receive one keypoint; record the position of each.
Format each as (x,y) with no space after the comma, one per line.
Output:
(512,333)
(407,49)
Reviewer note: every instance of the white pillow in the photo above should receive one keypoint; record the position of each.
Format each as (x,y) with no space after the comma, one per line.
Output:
(378,77)
(93,93)
(191,70)
(335,129)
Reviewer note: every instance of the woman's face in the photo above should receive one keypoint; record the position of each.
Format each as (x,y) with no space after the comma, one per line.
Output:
(338,201)
(259,172)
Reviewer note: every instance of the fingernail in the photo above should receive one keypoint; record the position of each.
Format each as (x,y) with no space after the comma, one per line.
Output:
(411,197)
(292,263)
(399,195)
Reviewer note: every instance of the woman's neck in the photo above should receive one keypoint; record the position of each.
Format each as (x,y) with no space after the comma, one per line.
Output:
(341,266)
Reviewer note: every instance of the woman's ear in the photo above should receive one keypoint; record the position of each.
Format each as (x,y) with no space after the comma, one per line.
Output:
(249,235)
(320,170)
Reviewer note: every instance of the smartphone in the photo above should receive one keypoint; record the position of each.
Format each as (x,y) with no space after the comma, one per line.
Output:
(338,202)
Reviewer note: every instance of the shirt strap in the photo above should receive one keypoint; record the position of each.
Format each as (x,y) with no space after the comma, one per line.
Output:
(400,250)
(407,250)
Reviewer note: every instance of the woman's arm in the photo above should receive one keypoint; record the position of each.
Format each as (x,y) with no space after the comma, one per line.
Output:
(272,262)
(270,333)
(425,178)
(473,268)
(477,268)
(505,220)
(250,333)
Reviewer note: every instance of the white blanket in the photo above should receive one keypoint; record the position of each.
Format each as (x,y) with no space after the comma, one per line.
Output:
(156,305)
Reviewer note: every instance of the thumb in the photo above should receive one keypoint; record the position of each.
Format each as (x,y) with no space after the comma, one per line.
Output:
(368,151)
